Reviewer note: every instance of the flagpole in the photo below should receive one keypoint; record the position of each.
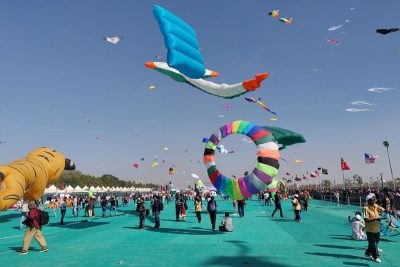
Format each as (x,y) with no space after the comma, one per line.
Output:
(344,184)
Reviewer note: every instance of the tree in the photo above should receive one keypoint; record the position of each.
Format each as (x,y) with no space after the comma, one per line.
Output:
(327,183)
(348,183)
(358,180)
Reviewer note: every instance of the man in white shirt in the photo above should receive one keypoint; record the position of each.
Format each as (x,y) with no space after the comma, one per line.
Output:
(358,229)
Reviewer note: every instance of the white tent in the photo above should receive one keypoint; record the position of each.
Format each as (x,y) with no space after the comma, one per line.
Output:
(92,189)
(51,190)
(85,188)
(98,189)
(78,189)
(69,189)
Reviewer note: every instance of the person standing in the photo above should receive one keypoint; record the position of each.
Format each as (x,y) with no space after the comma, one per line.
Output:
(113,205)
(156,209)
(241,203)
(177,206)
(142,212)
(278,205)
(33,229)
(197,207)
(372,227)
(212,210)
(75,207)
(296,208)
(63,209)
(104,206)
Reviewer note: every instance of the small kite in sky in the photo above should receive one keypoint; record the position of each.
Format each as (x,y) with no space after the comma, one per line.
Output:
(347,20)
(113,39)
(141,159)
(274,13)
(258,101)
(334,42)
(154,164)
(195,176)
(298,161)
(227,106)
(223,150)
(273,119)
(357,109)
(379,89)
(386,31)
(360,103)
(334,28)
(165,148)
(152,87)
(171,171)
(135,165)
(221,116)
(286,21)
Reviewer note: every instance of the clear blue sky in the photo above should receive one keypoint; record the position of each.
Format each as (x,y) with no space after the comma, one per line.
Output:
(56,70)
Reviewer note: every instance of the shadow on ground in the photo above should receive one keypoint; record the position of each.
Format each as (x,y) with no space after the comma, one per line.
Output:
(184,231)
(78,225)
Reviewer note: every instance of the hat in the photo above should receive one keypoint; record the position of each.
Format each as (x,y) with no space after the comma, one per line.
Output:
(370,196)
(296,195)
(358,217)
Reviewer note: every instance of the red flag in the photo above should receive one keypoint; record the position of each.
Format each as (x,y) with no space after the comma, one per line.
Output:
(344,165)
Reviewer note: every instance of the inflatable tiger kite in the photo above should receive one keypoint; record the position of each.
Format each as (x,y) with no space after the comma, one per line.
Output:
(29,177)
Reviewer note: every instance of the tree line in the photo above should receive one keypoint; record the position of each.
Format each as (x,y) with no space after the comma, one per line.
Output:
(75,178)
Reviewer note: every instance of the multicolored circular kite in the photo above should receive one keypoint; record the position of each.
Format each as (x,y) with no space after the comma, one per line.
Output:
(267,161)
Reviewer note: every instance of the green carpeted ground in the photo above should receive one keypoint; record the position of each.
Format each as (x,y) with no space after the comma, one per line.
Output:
(323,238)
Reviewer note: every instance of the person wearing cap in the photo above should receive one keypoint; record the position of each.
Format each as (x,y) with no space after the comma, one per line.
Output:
(372,226)
(33,229)
(358,226)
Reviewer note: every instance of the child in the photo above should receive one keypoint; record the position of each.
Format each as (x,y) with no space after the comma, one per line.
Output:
(226,224)
(357,228)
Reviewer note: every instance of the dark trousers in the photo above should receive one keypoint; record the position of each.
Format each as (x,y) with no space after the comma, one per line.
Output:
(157,219)
(142,217)
(62,216)
(278,207)
(297,217)
(241,210)
(177,212)
(373,240)
(213,218)
(198,215)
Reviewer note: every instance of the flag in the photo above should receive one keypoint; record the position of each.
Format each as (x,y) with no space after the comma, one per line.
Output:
(370,158)
(325,171)
(313,174)
(344,165)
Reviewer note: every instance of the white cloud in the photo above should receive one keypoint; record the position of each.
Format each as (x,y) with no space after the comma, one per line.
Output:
(380,89)
(357,109)
(360,103)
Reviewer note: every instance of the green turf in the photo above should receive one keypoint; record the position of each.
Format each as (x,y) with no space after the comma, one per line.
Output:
(321,239)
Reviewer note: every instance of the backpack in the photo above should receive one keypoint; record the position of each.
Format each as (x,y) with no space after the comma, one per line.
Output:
(43,217)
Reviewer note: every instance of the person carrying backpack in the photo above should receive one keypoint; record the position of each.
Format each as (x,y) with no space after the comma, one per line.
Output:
(212,210)
(33,229)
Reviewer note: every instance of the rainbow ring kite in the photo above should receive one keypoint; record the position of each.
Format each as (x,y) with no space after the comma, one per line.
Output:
(267,161)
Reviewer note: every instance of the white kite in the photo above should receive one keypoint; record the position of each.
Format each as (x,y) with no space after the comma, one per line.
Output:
(195,176)
(360,103)
(334,28)
(379,89)
(357,109)
(113,39)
